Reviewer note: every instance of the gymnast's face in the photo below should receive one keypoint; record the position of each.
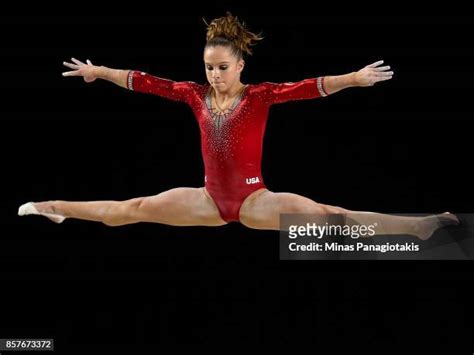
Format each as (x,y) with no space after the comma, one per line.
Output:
(222,68)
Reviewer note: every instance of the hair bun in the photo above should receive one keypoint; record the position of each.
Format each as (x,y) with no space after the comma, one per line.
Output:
(230,28)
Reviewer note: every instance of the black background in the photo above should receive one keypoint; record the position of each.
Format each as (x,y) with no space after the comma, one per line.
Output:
(402,146)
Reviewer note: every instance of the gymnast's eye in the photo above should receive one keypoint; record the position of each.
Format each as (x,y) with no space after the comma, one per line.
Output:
(223,67)
(208,67)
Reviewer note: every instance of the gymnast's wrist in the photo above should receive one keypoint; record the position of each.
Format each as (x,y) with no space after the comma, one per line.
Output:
(354,79)
(100,72)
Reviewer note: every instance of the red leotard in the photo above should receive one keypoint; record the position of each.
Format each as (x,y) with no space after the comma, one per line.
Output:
(232,144)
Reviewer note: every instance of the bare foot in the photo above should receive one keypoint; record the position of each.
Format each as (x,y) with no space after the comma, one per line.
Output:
(429,224)
(41,208)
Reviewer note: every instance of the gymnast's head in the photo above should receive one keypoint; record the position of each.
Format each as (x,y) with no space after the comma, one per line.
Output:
(228,41)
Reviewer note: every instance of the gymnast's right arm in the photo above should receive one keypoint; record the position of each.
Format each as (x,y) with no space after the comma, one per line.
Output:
(133,80)
(92,72)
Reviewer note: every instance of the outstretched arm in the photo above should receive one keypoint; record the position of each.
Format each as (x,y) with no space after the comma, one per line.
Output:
(325,85)
(92,72)
(367,76)
(134,80)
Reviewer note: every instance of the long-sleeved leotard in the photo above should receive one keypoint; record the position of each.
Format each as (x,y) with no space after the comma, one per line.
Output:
(231,143)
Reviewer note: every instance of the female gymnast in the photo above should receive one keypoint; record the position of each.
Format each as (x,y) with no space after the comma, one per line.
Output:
(232,118)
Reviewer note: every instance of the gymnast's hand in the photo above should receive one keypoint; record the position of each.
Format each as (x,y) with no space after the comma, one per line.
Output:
(87,71)
(372,74)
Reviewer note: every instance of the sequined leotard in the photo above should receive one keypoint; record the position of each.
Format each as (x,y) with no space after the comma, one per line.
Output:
(231,144)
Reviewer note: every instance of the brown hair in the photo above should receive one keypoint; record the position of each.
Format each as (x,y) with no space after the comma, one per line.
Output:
(228,32)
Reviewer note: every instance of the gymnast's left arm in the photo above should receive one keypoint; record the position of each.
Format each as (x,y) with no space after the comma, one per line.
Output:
(367,76)
(275,93)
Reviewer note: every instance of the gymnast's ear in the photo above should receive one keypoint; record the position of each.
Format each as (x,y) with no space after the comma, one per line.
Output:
(241,65)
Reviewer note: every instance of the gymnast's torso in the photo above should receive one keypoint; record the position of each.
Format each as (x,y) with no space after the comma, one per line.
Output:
(231,142)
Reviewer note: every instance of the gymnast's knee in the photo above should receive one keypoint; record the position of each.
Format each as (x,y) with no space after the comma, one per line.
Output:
(121,213)
(315,209)
(332,209)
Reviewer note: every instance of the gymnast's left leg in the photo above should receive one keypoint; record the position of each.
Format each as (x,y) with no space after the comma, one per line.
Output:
(262,209)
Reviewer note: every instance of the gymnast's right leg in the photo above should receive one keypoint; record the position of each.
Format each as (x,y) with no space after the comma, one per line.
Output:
(181,206)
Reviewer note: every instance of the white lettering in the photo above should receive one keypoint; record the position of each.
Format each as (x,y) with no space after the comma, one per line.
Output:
(254,180)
